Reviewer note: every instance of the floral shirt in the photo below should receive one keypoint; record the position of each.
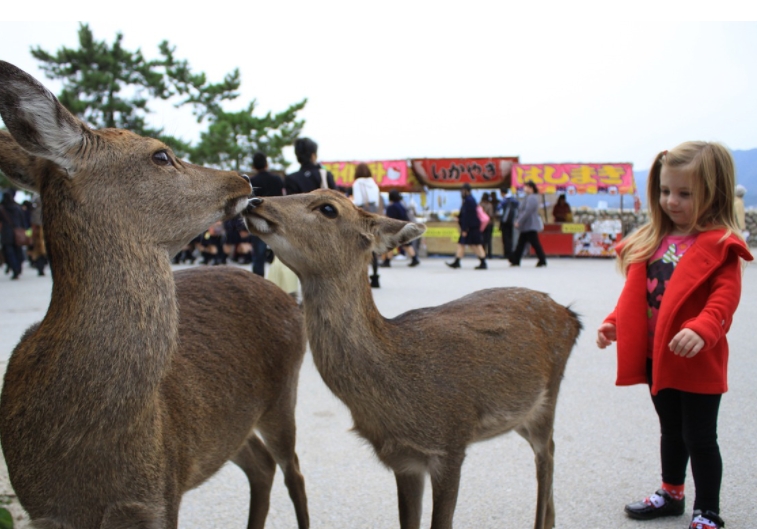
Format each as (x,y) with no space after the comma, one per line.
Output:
(660,269)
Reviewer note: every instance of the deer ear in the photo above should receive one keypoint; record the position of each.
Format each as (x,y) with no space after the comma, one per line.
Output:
(37,121)
(391,233)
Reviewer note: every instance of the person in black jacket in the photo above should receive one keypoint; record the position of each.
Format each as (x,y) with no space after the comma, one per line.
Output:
(470,230)
(310,176)
(11,216)
(264,184)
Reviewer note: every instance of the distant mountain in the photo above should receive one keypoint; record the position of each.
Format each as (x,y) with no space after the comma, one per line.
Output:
(746,175)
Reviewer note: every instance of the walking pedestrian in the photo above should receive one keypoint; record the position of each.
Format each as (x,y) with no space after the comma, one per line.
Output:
(508,212)
(470,230)
(12,220)
(683,282)
(487,204)
(529,224)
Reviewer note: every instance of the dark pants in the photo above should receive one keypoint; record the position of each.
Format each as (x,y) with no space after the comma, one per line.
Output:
(507,238)
(487,235)
(14,258)
(531,237)
(258,255)
(689,430)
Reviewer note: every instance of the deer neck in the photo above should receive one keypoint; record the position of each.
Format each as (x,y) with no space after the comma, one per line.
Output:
(345,329)
(113,315)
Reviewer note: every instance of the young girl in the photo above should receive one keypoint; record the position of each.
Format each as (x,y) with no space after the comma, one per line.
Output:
(683,283)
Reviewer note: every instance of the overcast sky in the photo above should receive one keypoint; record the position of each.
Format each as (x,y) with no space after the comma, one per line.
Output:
(429,81)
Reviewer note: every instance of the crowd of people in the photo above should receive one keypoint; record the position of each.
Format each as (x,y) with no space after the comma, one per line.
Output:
(21,235)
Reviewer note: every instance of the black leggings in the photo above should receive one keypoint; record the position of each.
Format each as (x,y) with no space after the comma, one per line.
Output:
(689,429)
(531,237)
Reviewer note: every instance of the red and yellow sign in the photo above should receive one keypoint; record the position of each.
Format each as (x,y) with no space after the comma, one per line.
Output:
(451,173)
(576,178)
(388,174)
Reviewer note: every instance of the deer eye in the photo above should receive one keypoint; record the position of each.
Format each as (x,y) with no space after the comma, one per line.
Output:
(328,211)
(161,158)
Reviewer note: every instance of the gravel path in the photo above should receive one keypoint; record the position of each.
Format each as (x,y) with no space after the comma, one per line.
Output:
(606,437)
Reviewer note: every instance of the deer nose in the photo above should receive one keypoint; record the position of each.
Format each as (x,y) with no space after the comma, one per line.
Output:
(253,203)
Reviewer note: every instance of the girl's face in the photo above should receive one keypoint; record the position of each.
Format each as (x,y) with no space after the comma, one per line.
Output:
(676,198)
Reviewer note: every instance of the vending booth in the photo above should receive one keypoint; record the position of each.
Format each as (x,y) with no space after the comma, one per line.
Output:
(571,238)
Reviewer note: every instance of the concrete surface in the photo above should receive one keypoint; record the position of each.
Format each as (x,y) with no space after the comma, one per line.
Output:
(606,437)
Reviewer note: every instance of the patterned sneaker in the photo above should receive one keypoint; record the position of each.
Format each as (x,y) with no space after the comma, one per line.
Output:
(706,520)
(658,504)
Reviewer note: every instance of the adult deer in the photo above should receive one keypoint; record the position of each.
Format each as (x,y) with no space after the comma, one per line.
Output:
(424,385)
(137,386)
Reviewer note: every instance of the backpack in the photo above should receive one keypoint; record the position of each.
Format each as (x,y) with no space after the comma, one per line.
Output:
(483,217)
(509,210)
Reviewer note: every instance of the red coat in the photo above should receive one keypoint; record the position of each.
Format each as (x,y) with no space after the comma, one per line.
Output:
(702,295)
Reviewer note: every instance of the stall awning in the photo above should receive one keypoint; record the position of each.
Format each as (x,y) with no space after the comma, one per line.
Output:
(388,174)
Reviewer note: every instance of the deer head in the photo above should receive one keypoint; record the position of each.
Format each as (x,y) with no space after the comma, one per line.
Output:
(322,233)
(111,178)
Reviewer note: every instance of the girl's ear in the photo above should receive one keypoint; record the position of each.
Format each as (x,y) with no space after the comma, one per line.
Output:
(37,121)
(391,233)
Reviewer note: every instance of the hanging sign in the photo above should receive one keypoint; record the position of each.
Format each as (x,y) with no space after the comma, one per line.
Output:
(451,173)
(576,178)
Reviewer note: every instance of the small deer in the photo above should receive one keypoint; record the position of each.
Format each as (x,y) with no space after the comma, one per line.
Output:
(138,385)
(424,385)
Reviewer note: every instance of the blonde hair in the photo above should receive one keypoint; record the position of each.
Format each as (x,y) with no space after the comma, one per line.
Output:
(712,168)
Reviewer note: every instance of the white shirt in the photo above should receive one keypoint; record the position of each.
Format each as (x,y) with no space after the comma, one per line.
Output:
(365,191)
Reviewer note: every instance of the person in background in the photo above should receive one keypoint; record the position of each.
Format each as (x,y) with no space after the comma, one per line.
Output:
(738,208)
(11,217)
(487,204)
(683,283)
(470,230)
(529,224)
(264,184)
(397,210)
(562,212)
(310,176)
(508,212)
(38,252)
(367,196)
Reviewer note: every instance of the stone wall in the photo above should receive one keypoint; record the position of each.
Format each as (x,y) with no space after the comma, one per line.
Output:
(633,220)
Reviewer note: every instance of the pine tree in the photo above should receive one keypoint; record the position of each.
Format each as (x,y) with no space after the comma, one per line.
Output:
(109,86)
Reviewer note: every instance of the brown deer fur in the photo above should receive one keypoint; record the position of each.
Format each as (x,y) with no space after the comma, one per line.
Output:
(424,385)
(138,385)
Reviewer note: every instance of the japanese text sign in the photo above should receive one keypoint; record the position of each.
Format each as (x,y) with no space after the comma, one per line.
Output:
(452,173)
(583,178)
(387,173)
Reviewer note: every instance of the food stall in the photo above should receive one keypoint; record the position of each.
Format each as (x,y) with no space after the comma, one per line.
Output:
(451,173)
(576,239)
(493,173)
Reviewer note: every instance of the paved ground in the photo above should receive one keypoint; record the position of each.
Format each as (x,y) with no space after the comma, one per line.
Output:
(606,437)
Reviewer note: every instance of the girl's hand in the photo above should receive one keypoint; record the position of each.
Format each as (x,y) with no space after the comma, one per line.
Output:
(606,335)
(686,343)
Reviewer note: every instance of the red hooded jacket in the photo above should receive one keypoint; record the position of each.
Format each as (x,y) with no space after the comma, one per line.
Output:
(702,295)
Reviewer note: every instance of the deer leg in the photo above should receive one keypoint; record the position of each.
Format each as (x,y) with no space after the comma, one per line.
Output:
(279,432)
(136,516)
(410,499)
(445,481)
(256,462)
(540,439)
